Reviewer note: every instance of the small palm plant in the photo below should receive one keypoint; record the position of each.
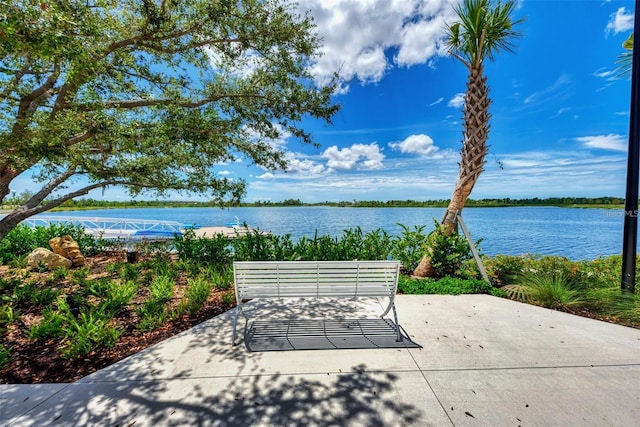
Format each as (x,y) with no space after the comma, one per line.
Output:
(550,289)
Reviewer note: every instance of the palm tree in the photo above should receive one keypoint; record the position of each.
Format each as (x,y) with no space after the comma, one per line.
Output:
(625,58)
(483,30)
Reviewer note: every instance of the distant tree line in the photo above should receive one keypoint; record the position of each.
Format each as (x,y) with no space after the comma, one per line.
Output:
(78,204)
(502,202)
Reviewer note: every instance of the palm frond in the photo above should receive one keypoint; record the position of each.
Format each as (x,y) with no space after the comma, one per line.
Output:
(625,59)
(517,292)
(483,30)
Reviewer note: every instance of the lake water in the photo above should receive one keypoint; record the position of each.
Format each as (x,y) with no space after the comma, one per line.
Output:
(574,233)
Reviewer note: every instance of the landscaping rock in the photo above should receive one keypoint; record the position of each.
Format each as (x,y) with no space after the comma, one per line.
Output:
(47,259)
(68,248)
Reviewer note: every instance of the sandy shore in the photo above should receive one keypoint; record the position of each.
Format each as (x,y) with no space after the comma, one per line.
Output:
(225,231)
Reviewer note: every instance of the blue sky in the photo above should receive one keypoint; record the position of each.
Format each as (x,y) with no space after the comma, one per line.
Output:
(560,112)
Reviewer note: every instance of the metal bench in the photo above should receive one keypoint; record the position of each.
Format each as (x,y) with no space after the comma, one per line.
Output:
(315,279)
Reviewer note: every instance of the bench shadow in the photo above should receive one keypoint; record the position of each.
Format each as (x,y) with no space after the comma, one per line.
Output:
(324,334)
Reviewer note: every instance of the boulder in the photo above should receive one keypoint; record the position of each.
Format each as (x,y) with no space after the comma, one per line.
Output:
(68,248)
(49,260)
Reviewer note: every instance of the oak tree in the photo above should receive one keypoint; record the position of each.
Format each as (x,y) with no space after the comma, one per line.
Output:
(150,95)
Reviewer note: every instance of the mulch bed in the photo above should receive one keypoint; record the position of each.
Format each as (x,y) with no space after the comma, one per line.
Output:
(34,361)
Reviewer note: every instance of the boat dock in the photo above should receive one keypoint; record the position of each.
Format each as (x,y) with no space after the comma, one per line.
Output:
(138,229)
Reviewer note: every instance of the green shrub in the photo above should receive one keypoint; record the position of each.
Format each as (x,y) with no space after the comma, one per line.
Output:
(118,296)
(60,273)
(151,320)
(283,248)
(44,296)
(446,286)
(91,330)
(80,276)
(210,251)
(228,298)
(195,295)
(18,242)
(320,248)
(8,283)
(8,314)
(504,269)
(224,279)
(51,325)
(23,239)
(5,355)
(408,247)
(255,246)
(188,268)
(114,268)
(626,306)
(162,266)
(24,293)
(161,288)
(353,244)
(19,261)
(153,312)
(98,287)
(448,252)
(131,271)
(613,303)
(259,246)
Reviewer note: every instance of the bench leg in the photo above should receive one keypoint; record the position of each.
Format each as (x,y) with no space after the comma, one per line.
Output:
(395,317)
(235,322)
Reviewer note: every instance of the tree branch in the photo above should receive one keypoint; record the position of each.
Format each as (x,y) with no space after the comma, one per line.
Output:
(154,102)
(25,103)
(76,139)
(18,76)
(189,46)
(49,187)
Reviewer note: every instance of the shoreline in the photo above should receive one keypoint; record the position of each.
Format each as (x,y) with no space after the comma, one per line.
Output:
(4,211)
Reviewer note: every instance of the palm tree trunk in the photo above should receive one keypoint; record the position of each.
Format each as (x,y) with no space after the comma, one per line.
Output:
(472,155)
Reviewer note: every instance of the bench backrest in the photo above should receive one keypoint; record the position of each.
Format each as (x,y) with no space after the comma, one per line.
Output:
(280,279)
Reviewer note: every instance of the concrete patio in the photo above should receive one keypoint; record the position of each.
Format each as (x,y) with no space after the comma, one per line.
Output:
(484,361)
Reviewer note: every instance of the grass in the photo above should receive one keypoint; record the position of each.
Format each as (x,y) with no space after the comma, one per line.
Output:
(583,287)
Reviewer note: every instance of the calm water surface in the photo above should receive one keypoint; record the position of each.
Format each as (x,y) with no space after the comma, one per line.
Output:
(574,233)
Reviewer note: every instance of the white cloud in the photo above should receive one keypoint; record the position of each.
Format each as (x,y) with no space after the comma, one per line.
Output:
(357,36)
(243,66)
(556,90)
(266,175)
(303,166)
(225,172)
(612,142)
(552,173)
(358,156)
(421,145)
(560,112)
(436,102)
(620,21)
(605,74)
(278,143)
(457,101)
